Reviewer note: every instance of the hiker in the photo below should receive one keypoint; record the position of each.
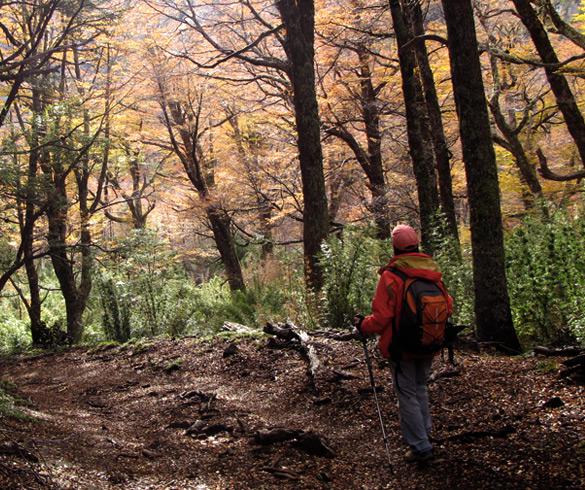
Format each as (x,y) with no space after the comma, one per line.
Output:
(395,317)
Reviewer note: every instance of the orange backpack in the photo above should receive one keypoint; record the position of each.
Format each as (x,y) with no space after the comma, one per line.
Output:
(420,327)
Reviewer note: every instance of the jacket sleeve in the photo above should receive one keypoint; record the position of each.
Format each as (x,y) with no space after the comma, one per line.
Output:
(383,306)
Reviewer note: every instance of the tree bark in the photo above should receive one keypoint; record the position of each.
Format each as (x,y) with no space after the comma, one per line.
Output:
(417,121)
(298,18)
(37,327)
(224,239)
(563,28)
(565,99)
(63,267)
(371,114)
(492,305)
(441,149)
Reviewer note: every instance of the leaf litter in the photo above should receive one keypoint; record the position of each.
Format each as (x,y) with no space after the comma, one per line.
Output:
(124,421)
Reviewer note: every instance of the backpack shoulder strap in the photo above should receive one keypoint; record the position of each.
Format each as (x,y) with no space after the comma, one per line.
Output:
(398,273)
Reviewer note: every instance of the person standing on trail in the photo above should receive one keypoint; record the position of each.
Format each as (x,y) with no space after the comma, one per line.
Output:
(410,310)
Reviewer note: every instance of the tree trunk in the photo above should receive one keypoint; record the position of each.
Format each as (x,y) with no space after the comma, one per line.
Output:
(38,329)
(63,267)
(57,214)
(441,149)
(492,305)
(419,137)
(298,18)
(135,202)
(563,28)
(74,295)
(265,220)
(220,225)
(371,114)
(565,99)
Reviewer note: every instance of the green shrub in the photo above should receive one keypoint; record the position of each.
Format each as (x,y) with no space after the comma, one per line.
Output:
(9,402)
(115,311)
(456,266)
(14,332)
(350,266)
(546,277)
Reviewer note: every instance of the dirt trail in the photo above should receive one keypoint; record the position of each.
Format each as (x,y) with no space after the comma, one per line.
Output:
(117,418)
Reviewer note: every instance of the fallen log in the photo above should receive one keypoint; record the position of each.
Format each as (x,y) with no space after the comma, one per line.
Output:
(575,373)
(266,437)
(308,441)
(313,443)
(340,375)
(298,339)
(284,332)
(575,361)
(477,434)
(574,368)
(448,372)
(561,351)
(14,449)
(236,328)
(204,397)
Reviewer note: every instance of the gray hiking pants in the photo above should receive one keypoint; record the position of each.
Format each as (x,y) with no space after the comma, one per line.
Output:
(410,385)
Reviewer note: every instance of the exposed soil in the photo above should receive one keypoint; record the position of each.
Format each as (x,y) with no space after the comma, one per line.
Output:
(118,418)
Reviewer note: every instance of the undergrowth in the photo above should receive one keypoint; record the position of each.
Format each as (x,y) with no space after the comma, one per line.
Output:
(10,403)
(546,277)
(142,290)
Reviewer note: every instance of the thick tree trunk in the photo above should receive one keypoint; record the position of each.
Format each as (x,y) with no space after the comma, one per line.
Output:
(63,267)
(565,99)
(419,137)
(224,240)
(298,18)
(75,296)
(492,305)
(441,149)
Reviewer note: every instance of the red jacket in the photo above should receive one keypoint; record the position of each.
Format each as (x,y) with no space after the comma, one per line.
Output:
(387,301)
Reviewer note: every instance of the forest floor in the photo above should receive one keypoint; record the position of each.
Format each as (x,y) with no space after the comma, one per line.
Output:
(117,417)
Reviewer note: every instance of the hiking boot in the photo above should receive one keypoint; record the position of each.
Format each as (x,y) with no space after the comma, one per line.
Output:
(412,456)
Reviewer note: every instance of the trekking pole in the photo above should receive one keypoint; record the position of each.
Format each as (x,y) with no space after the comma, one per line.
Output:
(373,383)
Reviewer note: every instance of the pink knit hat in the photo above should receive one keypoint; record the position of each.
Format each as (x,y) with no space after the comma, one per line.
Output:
(404,237)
